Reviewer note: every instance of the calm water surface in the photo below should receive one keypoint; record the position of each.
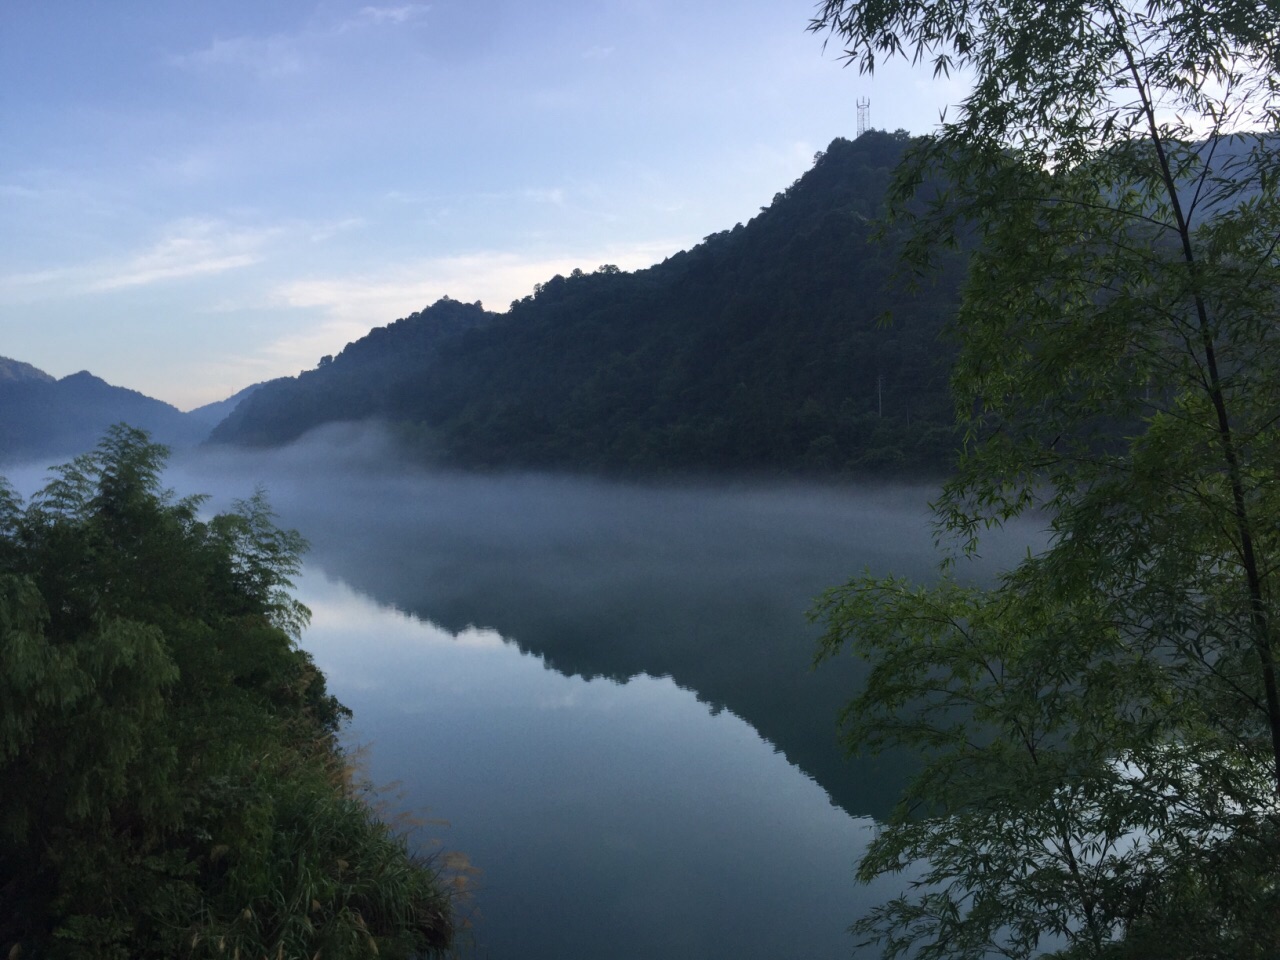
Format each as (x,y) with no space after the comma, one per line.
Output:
(606,819)
(601,694)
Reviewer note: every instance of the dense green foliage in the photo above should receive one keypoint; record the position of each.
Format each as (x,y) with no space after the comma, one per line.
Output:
(172,782)
(762,348)
(1102,729)
(361,383)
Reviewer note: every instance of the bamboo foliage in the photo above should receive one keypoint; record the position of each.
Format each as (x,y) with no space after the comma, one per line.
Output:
(173,785)
(1102,726)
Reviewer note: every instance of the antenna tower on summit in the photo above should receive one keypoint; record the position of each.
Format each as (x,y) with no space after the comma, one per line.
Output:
(864,114)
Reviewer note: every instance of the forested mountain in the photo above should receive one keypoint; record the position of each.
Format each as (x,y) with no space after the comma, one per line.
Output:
(44,417)
(367,380)
(760,349)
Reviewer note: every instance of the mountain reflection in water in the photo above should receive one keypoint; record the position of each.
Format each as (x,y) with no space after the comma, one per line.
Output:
(606,690)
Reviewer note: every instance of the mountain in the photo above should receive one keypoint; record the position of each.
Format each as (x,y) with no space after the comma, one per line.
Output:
(762,349)
(360,383)
(44,418)
(15,371)
(211,414)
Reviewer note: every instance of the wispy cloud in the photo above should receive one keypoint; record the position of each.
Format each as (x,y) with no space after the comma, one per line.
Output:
(402,13)
(189,248)
(183,249)
(170,264)
(298,350)
(440,201)
(276,56)
(373,299)
(318,233)
(352,305)
(16,285)
(553,195)
(288,54)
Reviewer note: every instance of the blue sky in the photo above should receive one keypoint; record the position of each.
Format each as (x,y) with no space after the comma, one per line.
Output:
(196,196)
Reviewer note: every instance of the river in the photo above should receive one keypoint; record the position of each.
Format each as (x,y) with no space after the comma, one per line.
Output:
(594,702)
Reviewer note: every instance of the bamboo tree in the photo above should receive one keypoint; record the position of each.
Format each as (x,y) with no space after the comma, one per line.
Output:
(173,785)
(1102,727)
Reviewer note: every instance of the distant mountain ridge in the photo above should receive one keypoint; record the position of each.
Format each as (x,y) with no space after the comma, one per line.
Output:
(45,418)
(15,371)
(214,413)
(761,349)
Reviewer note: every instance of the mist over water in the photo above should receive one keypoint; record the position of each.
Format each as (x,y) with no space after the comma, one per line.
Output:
(708,585)
(604,688)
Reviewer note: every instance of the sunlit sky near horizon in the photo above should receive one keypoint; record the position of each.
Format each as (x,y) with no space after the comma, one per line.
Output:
(198,196)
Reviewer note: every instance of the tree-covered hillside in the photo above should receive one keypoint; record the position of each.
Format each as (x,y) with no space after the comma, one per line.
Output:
(764,348)
(363,382)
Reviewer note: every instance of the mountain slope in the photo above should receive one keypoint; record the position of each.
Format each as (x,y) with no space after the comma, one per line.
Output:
(364,381)
(44,418)
(15,371)
(760,349)
(211,414)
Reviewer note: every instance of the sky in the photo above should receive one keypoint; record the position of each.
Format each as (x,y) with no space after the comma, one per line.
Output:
(199,196)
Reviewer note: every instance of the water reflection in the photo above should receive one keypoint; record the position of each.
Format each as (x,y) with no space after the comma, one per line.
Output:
(608,819)
(707,587)
(605,689)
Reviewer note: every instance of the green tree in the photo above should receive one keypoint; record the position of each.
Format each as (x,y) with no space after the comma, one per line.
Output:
(1101,729)
(173,785)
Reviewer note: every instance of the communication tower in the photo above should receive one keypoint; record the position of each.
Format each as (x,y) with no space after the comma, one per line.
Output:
(864,114)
